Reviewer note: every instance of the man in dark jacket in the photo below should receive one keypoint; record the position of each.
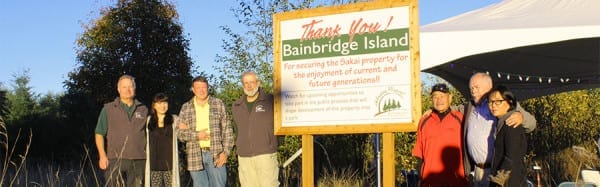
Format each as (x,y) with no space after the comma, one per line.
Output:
(256,142)
(122,122)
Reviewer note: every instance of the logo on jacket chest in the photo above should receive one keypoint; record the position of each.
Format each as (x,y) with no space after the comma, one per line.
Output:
(138,115)
(259,108)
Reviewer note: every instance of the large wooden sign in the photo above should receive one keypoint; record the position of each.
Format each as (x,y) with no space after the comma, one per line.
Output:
(347,69)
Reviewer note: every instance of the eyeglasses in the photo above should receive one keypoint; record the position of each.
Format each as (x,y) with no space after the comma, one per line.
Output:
(495,102)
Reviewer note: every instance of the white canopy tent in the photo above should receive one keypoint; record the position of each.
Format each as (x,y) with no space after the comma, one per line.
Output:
(535,47)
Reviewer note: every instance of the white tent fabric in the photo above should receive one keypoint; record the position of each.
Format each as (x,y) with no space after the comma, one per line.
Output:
(553,42)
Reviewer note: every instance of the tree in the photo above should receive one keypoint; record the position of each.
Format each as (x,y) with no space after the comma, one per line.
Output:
(142,38)
(22,99)
(252,49)
(3,104)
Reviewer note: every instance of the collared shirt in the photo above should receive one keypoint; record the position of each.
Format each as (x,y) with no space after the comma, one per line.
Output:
(221,134)
(480,133)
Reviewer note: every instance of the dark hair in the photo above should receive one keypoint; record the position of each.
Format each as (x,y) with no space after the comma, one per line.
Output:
(153,123)
(200,79)
(506,94)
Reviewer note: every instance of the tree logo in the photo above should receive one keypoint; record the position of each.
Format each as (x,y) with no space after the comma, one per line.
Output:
(389,102)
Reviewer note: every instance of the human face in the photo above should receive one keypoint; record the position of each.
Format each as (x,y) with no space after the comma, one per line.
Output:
(126,89)
(161,107)
(200,90)
(441,101)
(498,106)
(250,83)
(479,86)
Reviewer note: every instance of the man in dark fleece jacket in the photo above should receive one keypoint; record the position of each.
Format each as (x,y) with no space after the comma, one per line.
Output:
(122,125)
(256,141)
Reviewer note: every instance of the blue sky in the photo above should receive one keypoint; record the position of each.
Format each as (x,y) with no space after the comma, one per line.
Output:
(40,35)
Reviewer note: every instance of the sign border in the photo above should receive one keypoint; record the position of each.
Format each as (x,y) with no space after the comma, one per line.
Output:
(350,129)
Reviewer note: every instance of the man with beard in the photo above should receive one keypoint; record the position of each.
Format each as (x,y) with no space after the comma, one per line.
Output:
(256,142)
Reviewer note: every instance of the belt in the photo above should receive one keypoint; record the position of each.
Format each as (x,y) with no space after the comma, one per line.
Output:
(207,149)
(483,165)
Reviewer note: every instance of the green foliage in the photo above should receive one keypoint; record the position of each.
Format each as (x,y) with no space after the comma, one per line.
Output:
(561,116)
(3,104)
(252,50)
(21,99)
(38,115)
(142,38)
(564,121)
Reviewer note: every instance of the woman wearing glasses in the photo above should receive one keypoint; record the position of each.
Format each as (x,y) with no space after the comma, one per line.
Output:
(510,145)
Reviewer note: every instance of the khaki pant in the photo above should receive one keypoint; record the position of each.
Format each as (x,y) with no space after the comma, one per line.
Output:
(481,177)
(259,171)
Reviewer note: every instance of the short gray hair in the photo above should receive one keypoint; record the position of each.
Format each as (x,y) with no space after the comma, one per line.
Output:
(127,77)
(249,73)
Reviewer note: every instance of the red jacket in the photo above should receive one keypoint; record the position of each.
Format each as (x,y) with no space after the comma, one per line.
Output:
(439,146)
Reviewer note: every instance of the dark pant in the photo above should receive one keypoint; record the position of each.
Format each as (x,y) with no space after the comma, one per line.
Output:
(121,170)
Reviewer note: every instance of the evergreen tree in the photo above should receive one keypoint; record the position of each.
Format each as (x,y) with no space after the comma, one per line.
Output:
(22,100)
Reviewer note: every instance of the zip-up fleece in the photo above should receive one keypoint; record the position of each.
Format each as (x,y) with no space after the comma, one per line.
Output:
(126,139)
(255,128)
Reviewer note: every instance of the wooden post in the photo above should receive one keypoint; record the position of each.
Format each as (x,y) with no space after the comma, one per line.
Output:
(389,161)
(308,167)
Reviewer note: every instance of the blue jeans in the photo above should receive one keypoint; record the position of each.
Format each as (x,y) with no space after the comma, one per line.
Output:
(211,175)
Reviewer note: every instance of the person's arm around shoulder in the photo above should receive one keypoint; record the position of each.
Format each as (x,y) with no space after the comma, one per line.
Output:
(522,117)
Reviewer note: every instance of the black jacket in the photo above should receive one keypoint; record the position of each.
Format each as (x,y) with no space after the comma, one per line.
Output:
(510,148)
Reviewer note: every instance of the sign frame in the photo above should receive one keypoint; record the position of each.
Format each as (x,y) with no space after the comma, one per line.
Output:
(350,128)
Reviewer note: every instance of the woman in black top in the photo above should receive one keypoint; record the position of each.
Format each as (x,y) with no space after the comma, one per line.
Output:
(510,144)
(162,159)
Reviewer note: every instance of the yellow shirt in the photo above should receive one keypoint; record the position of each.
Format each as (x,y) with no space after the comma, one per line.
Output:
(202,112)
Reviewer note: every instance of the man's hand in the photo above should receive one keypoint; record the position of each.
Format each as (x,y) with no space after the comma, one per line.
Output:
(221,160)
(203,135)
(103,163)
(501,177)
(515,119)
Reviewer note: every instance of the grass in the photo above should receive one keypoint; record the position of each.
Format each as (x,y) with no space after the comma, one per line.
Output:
(565,165)
(17,169)
(345,177)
